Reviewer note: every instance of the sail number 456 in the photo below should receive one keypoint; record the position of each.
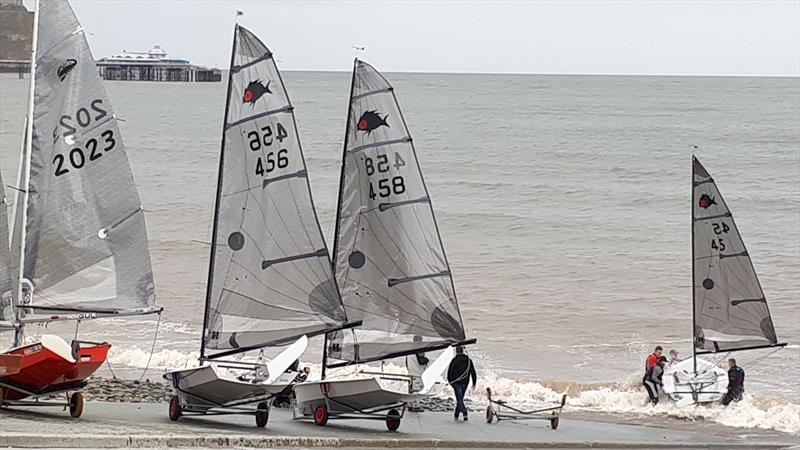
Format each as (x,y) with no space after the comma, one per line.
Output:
(386,186)
(265,138)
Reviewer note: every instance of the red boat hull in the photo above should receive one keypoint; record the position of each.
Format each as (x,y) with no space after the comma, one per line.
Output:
(42,370)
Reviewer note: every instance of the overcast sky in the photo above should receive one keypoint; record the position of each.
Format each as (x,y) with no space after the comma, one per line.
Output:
(722,37)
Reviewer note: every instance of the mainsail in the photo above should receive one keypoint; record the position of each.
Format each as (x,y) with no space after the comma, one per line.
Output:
(389,260)
(270,280)
(82,228)
(730,310)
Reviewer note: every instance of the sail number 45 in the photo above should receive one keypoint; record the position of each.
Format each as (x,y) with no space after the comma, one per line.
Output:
(386,186)
(264,138)
(719,228)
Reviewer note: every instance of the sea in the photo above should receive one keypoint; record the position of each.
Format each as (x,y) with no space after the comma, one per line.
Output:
(564,206)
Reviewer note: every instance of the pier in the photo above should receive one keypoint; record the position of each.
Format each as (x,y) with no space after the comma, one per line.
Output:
(153,65)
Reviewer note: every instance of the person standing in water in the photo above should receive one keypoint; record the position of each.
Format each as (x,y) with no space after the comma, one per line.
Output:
(735,383)
(458,375)
(653,379)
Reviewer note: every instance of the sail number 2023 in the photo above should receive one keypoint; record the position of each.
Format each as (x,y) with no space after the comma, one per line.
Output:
(93,149)
(263,140)
(386,186)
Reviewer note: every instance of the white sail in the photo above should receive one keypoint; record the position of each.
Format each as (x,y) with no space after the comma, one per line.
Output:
(389,259)
(85,244)
(730,309)
(270,280)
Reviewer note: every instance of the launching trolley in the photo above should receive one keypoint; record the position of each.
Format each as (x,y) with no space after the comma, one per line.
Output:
(498,410)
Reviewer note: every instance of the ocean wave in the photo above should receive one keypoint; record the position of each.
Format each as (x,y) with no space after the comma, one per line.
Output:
(622,397)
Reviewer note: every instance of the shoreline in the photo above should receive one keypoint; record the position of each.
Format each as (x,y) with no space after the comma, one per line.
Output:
(125,424)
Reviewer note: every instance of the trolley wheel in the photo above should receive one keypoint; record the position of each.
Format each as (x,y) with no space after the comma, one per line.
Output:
(262,415)
(320,415)
(554,421)
(393,420)
(175,410)
(490,414)
(76,404)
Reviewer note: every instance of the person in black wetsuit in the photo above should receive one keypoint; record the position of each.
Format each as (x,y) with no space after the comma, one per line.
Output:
(458,375)
(735,383)
(653,379)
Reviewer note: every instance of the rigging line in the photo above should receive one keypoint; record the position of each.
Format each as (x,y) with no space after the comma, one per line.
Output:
(762,357)
(152,347)
(108,363)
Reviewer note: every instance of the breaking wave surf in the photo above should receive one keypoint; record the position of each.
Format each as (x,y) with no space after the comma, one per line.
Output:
(624,398)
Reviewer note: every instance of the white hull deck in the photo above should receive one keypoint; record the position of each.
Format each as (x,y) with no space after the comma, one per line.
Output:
(686,387)
(354,395)
(377,396)
(202,388)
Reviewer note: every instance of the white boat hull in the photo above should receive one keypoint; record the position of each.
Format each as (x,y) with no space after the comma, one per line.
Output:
(202,388)
(354,395)
(687,387)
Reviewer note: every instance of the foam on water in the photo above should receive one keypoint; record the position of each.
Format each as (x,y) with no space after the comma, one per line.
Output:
(625,397)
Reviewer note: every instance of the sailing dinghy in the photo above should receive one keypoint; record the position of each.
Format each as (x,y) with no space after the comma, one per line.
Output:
(79,248)
(270,281)
(390,266)
(730,311)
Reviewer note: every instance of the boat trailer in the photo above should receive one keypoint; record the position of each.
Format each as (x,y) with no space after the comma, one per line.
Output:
(498,410)
(72,402)
(391,414)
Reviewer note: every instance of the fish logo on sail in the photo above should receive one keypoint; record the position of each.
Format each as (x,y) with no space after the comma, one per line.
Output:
(66,68)
(706,201)
(254,91)
(371,120)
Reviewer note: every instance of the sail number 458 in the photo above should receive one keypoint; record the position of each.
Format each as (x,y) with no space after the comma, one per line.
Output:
(386,186)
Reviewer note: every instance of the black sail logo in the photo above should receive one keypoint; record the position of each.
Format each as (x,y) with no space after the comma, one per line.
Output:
(371,120)
(254,91)
(706,201)
(66,68)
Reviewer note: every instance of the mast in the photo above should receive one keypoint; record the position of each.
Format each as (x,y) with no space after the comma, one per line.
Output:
(339,204)
(341,176)
(215,223)
(691,224)
(25,172)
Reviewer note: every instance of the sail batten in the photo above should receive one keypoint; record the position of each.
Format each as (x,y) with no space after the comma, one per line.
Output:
(730,309)
(388,256)
(270,276)
(81,232)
